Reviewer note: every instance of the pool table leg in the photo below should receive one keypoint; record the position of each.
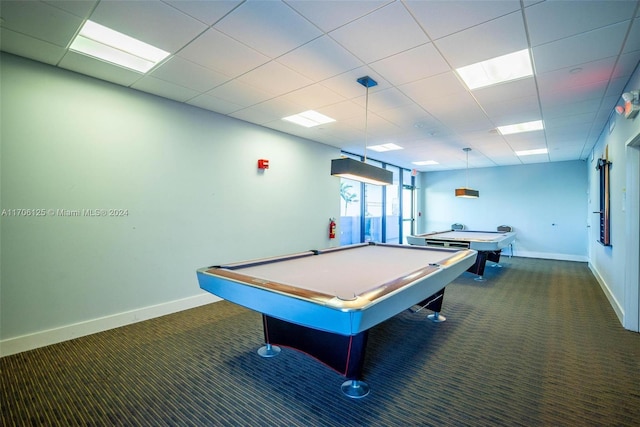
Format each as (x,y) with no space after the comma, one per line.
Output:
(433,303)
(343,353)
(269,350)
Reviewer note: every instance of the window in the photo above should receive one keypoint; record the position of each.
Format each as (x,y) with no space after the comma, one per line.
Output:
(375,213)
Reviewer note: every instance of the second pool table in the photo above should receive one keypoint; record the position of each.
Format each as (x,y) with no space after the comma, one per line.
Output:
(489,244)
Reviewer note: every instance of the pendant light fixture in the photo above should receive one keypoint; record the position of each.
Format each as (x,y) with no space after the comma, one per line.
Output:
(357,170)
(466,191)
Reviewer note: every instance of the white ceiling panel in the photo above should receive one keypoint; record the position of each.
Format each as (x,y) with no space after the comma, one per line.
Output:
(602,43)
(376,35)
(222,53)
(275,78)
(30,47)
(185,73)
(411,65)
(320,59)
(271,28)
(40,21)
(259,60)
(125,17)
(98,69)
(494,38)
(164,89)
(208,12)
(339,14)
(443,17)
(554,20)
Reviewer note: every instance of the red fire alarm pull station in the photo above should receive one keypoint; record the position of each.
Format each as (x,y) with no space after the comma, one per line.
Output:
(263,164)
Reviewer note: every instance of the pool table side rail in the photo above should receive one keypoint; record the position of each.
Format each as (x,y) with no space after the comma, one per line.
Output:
(436,239)
(359,302)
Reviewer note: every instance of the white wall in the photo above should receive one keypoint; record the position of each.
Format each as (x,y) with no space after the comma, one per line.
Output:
(616,266)
(545,203)
(186,177)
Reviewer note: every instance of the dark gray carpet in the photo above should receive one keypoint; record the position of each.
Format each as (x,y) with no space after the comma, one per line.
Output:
(537,344)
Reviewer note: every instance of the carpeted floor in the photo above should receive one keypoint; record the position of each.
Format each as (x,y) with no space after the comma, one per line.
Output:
(537,344)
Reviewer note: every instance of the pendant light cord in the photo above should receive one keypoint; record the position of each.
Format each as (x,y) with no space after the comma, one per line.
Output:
(366,123)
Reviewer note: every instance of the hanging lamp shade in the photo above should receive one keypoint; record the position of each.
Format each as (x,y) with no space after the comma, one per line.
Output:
(467,192)
(360,171)
(357,170)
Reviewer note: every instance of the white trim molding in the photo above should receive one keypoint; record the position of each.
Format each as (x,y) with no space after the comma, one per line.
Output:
(64,333)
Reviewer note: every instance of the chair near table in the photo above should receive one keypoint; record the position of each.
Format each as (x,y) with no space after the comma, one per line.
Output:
(507,229)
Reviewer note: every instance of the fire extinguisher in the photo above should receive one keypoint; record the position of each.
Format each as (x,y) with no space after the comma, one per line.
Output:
(332,228)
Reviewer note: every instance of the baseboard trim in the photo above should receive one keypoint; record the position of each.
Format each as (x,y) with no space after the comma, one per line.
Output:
(64,333)
(617,308)
(548,255)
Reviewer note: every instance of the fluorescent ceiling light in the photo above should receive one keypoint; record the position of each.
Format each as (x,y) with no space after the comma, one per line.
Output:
(521,127)
(532,152)
(309,119)
(502,69)
(426,163)
(384,147)
(103,43)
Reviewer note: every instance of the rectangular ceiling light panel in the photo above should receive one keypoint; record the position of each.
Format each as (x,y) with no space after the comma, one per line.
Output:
(384,147)
(521,127)
(103,43)
(502,69)
(309,119)
(532,152)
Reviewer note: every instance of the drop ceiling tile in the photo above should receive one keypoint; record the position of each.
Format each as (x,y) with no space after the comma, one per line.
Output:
(271,28)
(521,88)
(441,18)
(384,99)
(519,110)
(99,69)
(187,74)
(212,103)
(560,110)
(221,53)
(411,65)
(148,21)
(494,38)
(342,111)
(340,13)
(593,91)
(240,93)
(579,75)
(313,96)
(633,39)
(40,20)
(554,20)
(427,92)
(274,109)
(626,65)
(569,120)
(275,78)
(80,9)
(603,43)
(29,47)
(164,89)
(208,12)
(375,36)
(320,59)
